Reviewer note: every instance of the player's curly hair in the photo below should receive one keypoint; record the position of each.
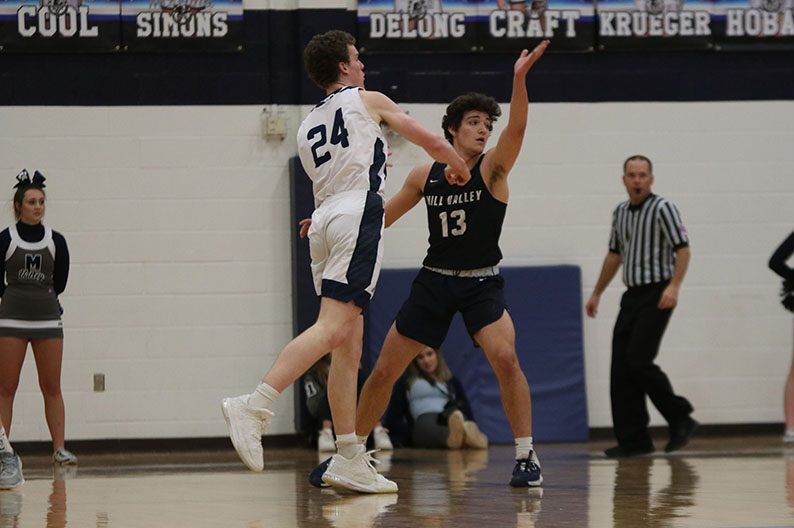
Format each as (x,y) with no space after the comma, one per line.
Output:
(322,55)
(466,103)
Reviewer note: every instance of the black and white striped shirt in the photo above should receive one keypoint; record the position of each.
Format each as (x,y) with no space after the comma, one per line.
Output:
(646,237)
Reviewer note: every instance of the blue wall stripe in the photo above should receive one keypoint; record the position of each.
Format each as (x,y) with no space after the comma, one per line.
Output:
(269,71)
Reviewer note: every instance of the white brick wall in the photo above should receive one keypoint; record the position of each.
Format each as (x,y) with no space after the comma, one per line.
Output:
(178,223)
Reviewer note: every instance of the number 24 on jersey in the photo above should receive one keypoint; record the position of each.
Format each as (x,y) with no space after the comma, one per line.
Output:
(338,137)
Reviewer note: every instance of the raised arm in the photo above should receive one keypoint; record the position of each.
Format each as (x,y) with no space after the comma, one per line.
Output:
(499,160)
(410,194)
(387,111)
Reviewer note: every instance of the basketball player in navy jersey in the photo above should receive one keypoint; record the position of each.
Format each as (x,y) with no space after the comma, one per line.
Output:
(460,272)
(343,150)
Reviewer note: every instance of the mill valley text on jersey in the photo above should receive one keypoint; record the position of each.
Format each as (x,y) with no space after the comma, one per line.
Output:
(465,222)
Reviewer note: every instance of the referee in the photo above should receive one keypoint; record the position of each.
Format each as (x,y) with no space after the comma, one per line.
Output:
(650,240)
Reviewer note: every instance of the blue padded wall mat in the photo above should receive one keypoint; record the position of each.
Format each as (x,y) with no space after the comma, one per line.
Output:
(546,306)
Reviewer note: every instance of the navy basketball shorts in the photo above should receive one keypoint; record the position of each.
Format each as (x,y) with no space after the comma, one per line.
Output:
(435,299)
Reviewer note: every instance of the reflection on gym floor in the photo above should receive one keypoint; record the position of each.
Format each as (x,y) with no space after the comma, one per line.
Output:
(715,482)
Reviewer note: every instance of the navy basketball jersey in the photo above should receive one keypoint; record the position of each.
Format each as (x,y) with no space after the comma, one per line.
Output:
(465,222)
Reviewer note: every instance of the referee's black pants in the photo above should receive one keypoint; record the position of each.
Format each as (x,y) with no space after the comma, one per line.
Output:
(635,344)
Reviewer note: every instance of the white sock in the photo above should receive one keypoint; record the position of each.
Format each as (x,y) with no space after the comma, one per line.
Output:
(361,439)
(347,445)
(523,447)
(5,445)
(263,397)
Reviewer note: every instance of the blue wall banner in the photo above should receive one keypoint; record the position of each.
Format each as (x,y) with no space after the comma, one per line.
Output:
(474,25)
(182,25)
(466,26)
(114,25)
(753,24)
(59,25)
(654,24)
(545,305)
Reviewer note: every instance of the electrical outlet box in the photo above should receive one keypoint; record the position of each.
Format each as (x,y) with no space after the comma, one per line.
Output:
(276,127)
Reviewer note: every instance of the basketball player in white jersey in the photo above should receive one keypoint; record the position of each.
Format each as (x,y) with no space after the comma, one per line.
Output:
(343,150)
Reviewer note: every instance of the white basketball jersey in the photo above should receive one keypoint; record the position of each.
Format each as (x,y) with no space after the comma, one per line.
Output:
(341,147)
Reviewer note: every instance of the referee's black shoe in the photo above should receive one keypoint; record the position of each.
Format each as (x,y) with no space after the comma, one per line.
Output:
(680,434)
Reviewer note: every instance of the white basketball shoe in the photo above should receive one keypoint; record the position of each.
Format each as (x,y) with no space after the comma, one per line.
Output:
(381,437)
(325,441)
(64,457)
(10,471)
(358,473)
(246,426)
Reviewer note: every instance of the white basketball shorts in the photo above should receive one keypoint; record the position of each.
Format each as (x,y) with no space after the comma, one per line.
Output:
(346,246)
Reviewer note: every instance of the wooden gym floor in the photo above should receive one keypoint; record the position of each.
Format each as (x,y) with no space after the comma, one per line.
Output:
(714,482)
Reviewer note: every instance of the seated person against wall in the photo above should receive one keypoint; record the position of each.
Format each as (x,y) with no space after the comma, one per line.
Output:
(315,384)
(429,407)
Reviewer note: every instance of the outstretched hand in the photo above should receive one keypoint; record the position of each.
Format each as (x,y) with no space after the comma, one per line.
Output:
(457,177)
(527,59)
(305,224)
(457,171)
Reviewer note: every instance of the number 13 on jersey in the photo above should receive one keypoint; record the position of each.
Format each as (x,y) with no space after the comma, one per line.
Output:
(458,216)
